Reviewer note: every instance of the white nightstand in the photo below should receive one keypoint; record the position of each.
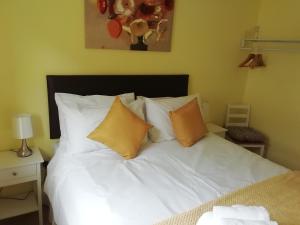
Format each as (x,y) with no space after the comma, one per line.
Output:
(221,131)
(15,170)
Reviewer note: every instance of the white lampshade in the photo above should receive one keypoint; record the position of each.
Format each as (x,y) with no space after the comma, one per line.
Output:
(23,126)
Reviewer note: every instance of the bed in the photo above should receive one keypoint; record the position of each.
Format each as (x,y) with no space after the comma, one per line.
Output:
(100,187)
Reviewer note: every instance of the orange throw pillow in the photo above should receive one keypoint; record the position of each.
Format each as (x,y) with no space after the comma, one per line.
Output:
(121,130)
(188,124)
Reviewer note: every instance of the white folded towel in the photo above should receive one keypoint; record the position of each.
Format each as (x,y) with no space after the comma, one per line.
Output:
(241,212)
(243,222)
(207,219)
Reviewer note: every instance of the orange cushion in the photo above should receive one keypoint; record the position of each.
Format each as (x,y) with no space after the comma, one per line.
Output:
(121,130)
(188,124)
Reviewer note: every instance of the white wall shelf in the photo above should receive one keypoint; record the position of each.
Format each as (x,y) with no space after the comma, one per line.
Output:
(261,45)
(273,41)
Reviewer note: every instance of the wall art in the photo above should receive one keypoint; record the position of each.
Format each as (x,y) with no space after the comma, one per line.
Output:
(142,25)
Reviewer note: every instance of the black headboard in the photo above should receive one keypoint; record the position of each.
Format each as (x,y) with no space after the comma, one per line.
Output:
(144,85)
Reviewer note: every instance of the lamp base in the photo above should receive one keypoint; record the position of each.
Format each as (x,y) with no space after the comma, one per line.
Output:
(24,151)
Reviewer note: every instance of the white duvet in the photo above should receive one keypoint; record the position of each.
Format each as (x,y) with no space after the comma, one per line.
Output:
(101,188)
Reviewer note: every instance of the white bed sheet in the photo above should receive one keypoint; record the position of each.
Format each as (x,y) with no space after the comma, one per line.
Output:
(100,188)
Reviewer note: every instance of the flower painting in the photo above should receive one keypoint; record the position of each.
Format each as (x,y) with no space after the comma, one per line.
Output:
(142,25)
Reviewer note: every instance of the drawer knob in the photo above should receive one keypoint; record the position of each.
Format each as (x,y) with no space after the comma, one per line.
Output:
(14,174)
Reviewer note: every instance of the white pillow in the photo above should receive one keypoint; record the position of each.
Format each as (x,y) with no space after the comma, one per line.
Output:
(81,121)
(157,114)
(65,101)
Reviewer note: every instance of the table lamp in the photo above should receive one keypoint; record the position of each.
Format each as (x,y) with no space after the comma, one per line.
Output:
(23,129)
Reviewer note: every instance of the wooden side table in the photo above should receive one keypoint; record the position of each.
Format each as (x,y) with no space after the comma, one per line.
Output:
(216,129)
(15,170)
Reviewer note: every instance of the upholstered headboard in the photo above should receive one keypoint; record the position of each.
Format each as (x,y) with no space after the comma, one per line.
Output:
(144,85)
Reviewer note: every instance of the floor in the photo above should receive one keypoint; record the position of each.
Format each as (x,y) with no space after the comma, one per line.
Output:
(28,219)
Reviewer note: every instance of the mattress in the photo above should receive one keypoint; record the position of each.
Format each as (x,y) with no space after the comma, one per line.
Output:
(100,187)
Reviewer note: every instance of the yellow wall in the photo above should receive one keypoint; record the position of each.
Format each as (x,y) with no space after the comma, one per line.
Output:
(274,92)
(48,38)
(7,90)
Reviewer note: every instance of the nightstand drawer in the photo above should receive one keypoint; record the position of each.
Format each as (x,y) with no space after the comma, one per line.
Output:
(17,173)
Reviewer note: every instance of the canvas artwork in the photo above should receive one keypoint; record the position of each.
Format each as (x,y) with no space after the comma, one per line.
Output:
(142,25)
